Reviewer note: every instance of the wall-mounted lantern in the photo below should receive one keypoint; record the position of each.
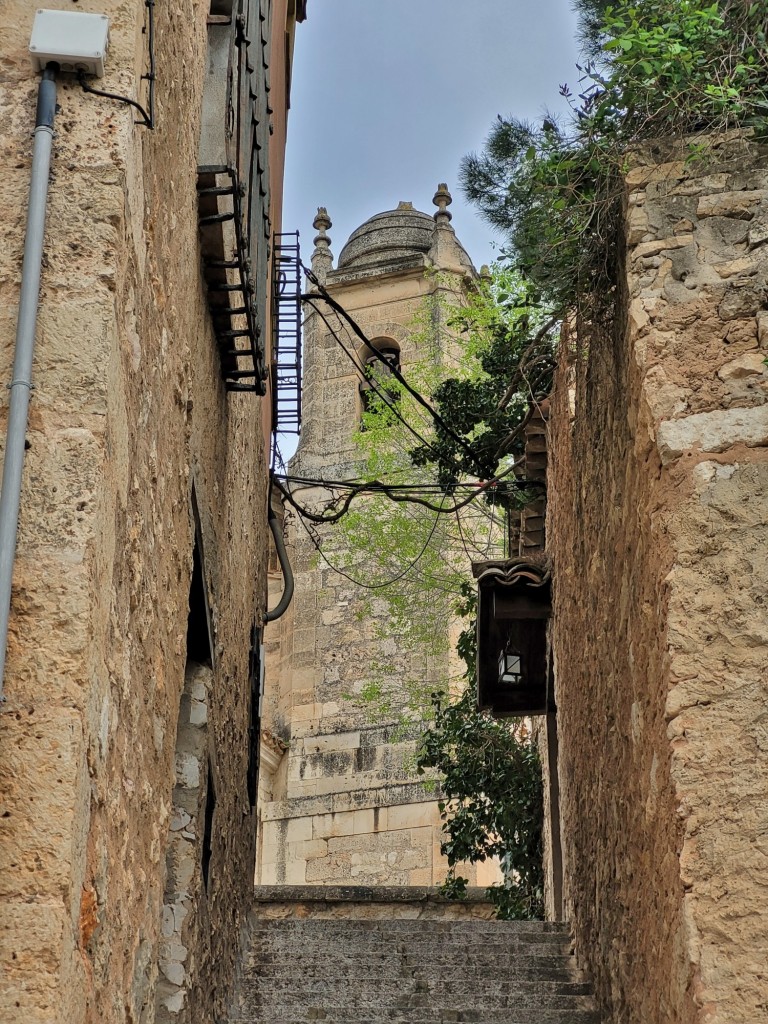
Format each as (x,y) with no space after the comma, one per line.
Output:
(513,608)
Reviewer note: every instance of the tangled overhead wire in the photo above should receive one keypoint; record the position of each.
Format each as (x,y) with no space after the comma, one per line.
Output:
(343,493)
(337,507)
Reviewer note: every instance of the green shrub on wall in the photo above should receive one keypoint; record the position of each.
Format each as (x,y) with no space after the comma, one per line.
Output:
(658,69)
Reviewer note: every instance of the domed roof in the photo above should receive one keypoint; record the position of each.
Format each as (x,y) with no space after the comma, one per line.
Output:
(389,237)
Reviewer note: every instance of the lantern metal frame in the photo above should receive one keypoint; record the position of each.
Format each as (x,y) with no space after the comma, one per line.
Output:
(513,611)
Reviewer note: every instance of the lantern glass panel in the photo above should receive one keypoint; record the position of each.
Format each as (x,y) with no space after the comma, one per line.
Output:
(510,668)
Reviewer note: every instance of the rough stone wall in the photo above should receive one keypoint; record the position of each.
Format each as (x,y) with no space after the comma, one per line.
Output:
(128,418)
(658,495)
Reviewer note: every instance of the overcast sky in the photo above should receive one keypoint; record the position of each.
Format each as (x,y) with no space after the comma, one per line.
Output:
(389,95)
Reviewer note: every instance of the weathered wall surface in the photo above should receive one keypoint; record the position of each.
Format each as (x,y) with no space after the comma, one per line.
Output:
(380,903)
(658,504)
(129,416)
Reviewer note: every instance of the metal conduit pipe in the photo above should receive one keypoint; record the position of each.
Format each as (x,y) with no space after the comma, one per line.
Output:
(21,383)
(285,566)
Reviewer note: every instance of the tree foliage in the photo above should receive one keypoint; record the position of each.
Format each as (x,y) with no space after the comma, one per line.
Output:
(656,68)
(509,338)
(475,362)
(492,802)
(411,559)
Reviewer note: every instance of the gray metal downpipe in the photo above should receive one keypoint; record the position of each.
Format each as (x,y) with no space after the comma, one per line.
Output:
(21,383)
(285,566)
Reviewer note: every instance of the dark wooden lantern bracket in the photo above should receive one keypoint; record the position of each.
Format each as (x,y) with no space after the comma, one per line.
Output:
(513,610)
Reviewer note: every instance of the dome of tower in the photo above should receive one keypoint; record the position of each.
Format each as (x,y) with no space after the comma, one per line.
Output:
(390,237)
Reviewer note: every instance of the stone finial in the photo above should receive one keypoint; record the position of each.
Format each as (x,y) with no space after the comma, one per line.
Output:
(485,274)
(322,222)
(442,200)
(322,257)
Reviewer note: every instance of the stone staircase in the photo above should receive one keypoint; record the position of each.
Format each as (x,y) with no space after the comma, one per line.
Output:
(350,956)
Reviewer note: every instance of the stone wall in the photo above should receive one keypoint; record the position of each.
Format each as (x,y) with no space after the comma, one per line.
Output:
(135,454)
(658,504)
(379,903)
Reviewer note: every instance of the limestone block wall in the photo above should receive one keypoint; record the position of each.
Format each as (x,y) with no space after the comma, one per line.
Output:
(134,450)
(658,504)
(343,804)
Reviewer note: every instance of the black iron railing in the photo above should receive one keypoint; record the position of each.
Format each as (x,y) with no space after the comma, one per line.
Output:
(286,333)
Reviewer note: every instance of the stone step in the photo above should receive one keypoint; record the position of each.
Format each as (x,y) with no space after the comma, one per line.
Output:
(453,987)
(309,968)
(470,925)
(443,986)
(356,963)
(381,943)
(452,943)
(422,946)
(390,956)
(425,1015)
(403,997)
(450,940)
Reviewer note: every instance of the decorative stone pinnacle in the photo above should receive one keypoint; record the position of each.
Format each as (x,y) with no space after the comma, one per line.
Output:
(405,206)
(322,221)
(442,200)
(322,257)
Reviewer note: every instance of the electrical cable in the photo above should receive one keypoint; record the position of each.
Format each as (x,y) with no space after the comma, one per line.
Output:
(493,524)
(374,486)
(383,489)
(462,539)
(147,123)
(148,118)
(360,583)
(374,384)
(339,309)
(150,76)
(277,458)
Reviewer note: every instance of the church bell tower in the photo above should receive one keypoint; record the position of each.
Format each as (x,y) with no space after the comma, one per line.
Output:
(340,803)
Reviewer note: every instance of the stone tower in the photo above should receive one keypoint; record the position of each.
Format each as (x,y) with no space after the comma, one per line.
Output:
(340,802)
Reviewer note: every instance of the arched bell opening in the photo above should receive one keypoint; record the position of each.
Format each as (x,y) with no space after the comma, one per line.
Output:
(379,361)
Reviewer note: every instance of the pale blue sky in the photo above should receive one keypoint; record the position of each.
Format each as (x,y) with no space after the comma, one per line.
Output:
(388,95)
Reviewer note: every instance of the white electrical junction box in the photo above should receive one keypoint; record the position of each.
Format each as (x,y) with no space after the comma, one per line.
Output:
(75,40)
